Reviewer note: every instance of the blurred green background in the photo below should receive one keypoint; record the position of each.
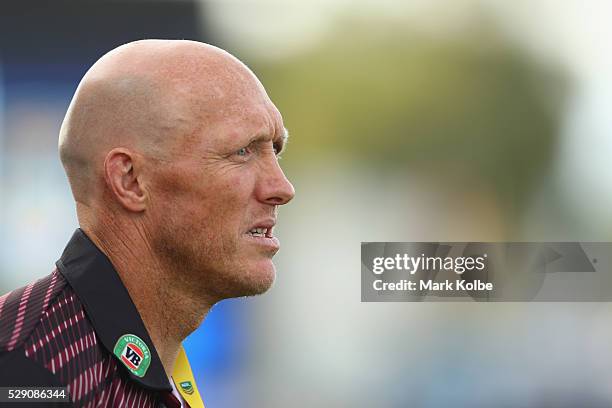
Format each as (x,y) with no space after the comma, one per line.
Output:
(462,120)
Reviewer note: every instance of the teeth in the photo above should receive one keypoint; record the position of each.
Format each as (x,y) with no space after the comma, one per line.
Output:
(259,232)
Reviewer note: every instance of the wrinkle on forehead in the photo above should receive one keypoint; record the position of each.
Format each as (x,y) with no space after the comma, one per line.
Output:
(238,119)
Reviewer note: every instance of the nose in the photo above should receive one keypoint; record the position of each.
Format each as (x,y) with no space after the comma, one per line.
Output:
(275,188)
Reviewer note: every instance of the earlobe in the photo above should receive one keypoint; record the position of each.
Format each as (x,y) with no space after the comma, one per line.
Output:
(121,175)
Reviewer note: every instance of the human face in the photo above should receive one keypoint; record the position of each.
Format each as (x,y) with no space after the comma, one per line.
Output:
(214,200)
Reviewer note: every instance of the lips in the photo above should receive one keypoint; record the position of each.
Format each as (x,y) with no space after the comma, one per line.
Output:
(261,233)
(262,229)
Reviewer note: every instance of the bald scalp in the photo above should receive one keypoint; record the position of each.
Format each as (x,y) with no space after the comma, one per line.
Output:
(151,97)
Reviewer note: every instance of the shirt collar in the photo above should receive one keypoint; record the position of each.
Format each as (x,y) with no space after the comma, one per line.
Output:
(108,304)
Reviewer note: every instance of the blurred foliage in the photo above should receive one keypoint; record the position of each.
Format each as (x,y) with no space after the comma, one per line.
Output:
(461,111)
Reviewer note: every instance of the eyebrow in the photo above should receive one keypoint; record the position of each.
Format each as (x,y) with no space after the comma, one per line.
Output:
(284,137)
(282,140)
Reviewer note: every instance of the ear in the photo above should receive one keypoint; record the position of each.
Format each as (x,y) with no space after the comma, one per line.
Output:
(122,178)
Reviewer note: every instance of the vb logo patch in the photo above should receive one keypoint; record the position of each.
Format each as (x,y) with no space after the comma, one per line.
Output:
(133,353)
(187,387)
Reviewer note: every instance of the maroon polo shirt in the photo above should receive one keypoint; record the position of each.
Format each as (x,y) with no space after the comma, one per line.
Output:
(61,330)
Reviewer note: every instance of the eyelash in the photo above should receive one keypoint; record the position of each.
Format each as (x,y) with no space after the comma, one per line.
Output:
(248,149)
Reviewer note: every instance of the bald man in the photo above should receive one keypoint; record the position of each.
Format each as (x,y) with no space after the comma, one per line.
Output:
(171,151)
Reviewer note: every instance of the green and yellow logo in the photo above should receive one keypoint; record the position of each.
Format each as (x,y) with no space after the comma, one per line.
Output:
(133,353)
(187,387)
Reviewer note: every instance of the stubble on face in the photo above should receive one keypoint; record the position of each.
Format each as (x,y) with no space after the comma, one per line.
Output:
(202,204)
(200,265)
(198,233)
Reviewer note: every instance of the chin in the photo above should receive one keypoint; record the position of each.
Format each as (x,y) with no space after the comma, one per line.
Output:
(263,277)
(256,280)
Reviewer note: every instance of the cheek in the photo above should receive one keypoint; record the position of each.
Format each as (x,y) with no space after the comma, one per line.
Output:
(211,200)
(226,202)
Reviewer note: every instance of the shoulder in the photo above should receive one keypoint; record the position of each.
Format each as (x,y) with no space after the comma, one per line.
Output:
(22,309)
(47,323)
(46,337)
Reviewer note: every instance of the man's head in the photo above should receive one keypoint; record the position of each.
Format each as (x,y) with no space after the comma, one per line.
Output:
(177,142)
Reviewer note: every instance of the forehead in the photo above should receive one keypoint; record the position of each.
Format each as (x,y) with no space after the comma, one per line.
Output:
(241,124)
(226,108)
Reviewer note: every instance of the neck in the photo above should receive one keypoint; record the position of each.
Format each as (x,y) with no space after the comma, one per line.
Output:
(169,310)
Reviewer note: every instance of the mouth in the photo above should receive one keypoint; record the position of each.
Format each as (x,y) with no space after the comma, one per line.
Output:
(262,233)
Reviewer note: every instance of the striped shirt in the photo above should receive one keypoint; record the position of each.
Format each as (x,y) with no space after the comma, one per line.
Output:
(78,328)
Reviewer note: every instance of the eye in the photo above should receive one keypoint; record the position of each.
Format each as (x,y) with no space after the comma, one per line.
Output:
(243,151)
